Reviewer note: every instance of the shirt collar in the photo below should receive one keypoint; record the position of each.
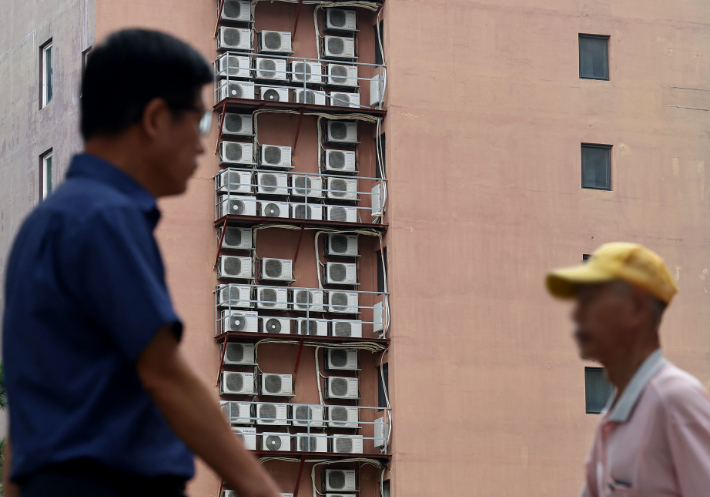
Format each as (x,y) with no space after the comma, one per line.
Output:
(631,395)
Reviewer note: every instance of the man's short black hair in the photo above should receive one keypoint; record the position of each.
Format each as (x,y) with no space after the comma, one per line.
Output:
(131,68)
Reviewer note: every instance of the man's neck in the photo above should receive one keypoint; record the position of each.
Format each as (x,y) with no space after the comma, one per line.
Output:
(621,368)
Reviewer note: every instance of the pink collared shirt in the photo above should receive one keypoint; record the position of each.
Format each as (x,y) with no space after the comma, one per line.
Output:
(656,440)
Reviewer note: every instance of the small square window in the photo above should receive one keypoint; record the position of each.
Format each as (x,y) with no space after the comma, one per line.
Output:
(597,390)
(46,176)
(382,388)
(593,57)
(46,66)
(596,166)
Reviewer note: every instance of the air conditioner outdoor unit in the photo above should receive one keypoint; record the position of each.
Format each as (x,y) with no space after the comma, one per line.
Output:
(341,132)
(230,181)
(271,69)
(336,480)
(236,153)
(342,189)
(272,298)
(338,47)
(237,413)
(276,156)
(274,209)
(275,42)
(234,89)
(310,186)
(376,200)
(237,205)
(236,238)
(233,267)
(342,75)
(272,414)
(347,444)
(346,328)
(341,213)
(343,417)
(234,296)
(340,273)
(381,432)
(338,387)
(313,212)
(232,383)
(313,72)
(276,269)
(342,161)
(272,184)
(340,19)
(340,99)
(313,327)
(276,442)
(376,89)
(234,39)
(236,11)
(270,324)
(237,125)
(311,97)
(240,354)
(305,415)
(343,302)
(234,66)
(378,314)
(245,321)
(337,245)
(279,385)
(341,359)
(247,436)
(273,94)
(311,443)
(304,299)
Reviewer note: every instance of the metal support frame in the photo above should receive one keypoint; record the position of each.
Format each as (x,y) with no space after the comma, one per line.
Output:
(221,126)
(300,474)
(295,24)
(219,245)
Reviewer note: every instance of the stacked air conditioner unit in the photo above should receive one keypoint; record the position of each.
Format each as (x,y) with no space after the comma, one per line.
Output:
(246,435)
(241,354)
(309,300)
(338,47)
(276,442)
(312,72)
(342,75)
(340,20)
(273,94)
(272,298)
(342,189)
(313,212)
(237,413)
(343,302)
(236,238)
(312,97)
(341,213)
(346,328)
(234,296)
(234,182)
(338,480)
(340,161)
(276,42)
(342,99)
(276,156)
(338,245)
(343,417)
(339,387)
(238,39)
(348,444)
(312,442)
(239,321)
(234,89)
(272,184)
(237,205)
(233,66)
(272,414)
(341,359)
(276,385)
(270,69)
(237,125)
(378,315)
(274,209)
(236,11)
(231,383)
(236,153)
(314,327)
(232,493)
(234,268)
(310,186)
(270,324)
(341,132)
(307,415)
(276,269)
(340,273)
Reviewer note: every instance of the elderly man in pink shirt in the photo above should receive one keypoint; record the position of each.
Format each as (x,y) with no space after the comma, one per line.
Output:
(653,438)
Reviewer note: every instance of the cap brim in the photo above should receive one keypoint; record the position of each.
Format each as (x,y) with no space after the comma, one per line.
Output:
(563,283)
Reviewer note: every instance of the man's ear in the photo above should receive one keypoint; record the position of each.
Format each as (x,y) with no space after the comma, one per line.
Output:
(156,117)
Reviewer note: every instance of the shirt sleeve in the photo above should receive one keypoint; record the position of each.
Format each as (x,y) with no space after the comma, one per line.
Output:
(116,274)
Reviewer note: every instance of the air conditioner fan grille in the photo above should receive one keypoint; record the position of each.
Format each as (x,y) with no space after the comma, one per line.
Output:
(273,442)
(343,444)
(232,37)
(233,123)
(338,272)
(267,68)
(272,155)
(338,358)
(232,266)
(272,40)
(268,297)
(338,214)
(273,383)
(273,326)
(269,182)
(339,386)
(235,382)
(267,412)
(235,352)
(272,210)
(336,480)
(233,151)
(343,329)
(273,268)
(336,46)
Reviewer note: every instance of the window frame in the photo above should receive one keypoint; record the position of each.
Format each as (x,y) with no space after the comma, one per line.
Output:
(46,173)
(609,165)
(587,36)
(586,397)
(46,90)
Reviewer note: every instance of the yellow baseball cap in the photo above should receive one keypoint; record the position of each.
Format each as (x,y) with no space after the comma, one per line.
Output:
(630,262)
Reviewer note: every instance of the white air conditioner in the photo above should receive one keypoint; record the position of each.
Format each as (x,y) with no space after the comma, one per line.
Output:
(276,442)
(236,153)
(343,302)
(341,75)
(347,444)
(270,324)
(237,205)
(310,186)
(346,328)
(341,132)
(311,443)
(247,436)
(338,245)
(341,359)
(313,327)
(341,213)
(272,298)
(340,99)
(237,413)
(338,387)
(234,296)
(234,89)
(230,181)
(313,212)
(240,321)
(273,94)
(236,10)
(236,238)
(381,432)
(376,200)
(275,269)
(378,314)
(311,97)
(304,299)
(274,209)
(272,414)
(342,161)
(343,417)
(307,415)
(376,88)
(232,383)
(237,124)
(340,19)
(338,47)
(340,273)
(234,66)
(342,188)
(234,39)
(313,72)
(275,42)
(276,385)
(271,69)
(233,267)
(239,354)
(272,184)
(276,156)
(336,480)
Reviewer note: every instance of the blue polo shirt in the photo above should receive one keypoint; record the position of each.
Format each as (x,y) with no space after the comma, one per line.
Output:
(85,293)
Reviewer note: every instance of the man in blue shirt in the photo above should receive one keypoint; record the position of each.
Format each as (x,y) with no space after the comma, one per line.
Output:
(102,401)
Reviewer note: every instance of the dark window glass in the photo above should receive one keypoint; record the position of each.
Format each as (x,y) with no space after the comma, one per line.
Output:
(380,162)
(585,257)
(593,57)
(386,488)
(378,49)
(597,389)
(381,400)
(381,270)
(596,167)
